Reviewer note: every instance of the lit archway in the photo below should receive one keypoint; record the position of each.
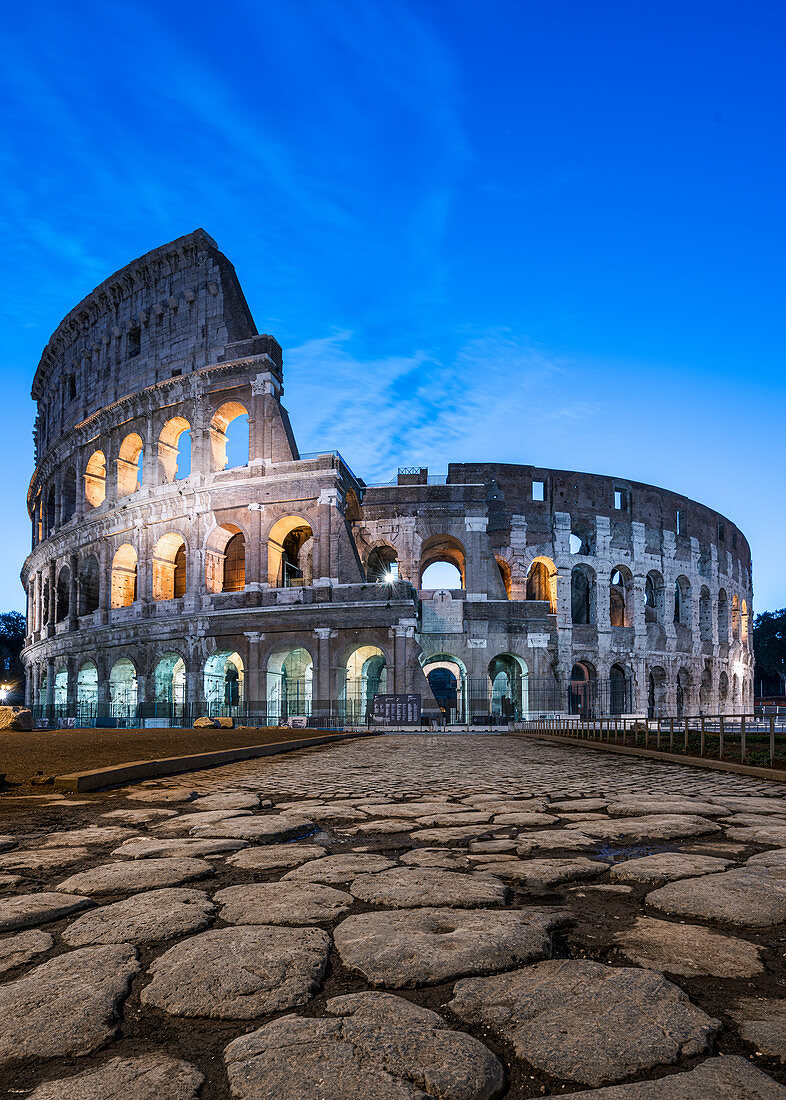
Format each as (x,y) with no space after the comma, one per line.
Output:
(174,449)
(169,567)
(508,687)
(447,677)
(382,565)
(223,681)
(87,689)
(290,680)
(290,546)
(363,675)
(225,559)
(129,465)
(123,689)
(621,597)
(542,582)
(61,688)
(123,590)
(95,479)
(442,564)
(169,683)
(229,448)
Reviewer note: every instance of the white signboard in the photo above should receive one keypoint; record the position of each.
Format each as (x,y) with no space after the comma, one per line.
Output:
(442,614)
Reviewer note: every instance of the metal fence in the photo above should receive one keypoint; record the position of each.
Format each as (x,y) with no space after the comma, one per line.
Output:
(757,738)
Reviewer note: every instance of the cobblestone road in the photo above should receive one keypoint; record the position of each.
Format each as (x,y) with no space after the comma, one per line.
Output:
(404,917)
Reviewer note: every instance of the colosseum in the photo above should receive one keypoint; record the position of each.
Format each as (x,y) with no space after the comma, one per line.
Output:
(187,558)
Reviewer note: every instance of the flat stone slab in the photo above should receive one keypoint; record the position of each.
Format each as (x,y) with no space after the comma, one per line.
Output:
(275,857)
(442,858)
(542,874)
(148,1077)
(282,903)
(139,817)
(493,847)
(42,862)
(412,810)
(383,827)
(776,859)
(145,918)
(334,870)
(189,846)
(469,817)
(762,1022)
(230,800)
(185,823)
(553,840)
(406,887)
(759,834)
(753,804)
(578,805)
(688,950)
(376,1046)
(634,807)
(239,973)
(651,827)
(263,829)
(66,1006)
(162,794)
(135,875)
(414,947)
(10,881)
(587,1022)
(729,1078)
(28,910)
(667,867)
(744,896)
(461,834)
(7,843)
(23,948)
(92,836)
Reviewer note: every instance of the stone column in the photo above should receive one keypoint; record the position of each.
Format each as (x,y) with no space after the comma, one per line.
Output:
(52,598)
(50,681)
(73,596)
(72,665)
(323,565)
(474,572)
(404,629)
(144,572)
(256,555)
(79,488)
(322,682)
(256,696)
(104,581)
(150,471)
(109,447)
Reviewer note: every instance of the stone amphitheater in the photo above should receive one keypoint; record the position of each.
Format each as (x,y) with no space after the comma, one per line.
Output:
(177,569)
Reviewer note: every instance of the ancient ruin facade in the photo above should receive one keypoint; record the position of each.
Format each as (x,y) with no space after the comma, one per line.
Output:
(274,583)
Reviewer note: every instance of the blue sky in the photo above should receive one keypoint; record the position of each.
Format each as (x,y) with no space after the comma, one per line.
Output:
(530,232)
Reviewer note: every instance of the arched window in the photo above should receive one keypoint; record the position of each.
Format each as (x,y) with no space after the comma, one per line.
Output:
(290,553)
(174,449)
(169,567)
(225,559)
(620,611)
(723,617)
(229,448)
(88,586)
(382,565)
(442,564)
(447,677)
(705,614)
(509,697)
(582,595)
(129,465)
(95,479)
(583,693)
(123,591)
(63,593)
(682,601)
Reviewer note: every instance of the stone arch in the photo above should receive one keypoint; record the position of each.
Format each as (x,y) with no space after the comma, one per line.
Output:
(290,682)
(174,446)
(583,691)
(654,602)
(508,686)
(169,682)
(705,688)
(542,582)
(744,623)
(95,479)
(723,617)
(684,687)
(735,618)
(60,694)
(87,689)
(123,689)
(51,510)
(683,611)
(723,691)
(621,597)
(129,465)
(505,574)
(124,576)
(441,549)
(657,692)
(63,594)
(225,415)
(705,614)
(225,559)
(362,674)
(382,564)
(89,585)
(224,676)
(583,595)
(169,567)
(290,545)
(449,690)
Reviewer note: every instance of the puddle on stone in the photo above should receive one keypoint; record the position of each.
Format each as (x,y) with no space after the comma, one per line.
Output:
(619,853)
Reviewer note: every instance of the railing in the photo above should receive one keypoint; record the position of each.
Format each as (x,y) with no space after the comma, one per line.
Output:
(758,739)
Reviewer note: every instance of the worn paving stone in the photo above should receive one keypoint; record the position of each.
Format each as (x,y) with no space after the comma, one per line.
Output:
(587,1022)
(762,1022)
(42,862)
(378,827)
(162,794)
(415,947)
(442,858)
(406,887)
(729,1078)
(23,948)
(144,918)
(185,823)
(189,846)
(461,834)
(282,903)
(553,840)
(525,820)
(747,896)
(139,817)
(634,807)
(146,1077)
(652,827)
(333,870)
(776,859)
(10,881)
(92,836)
(327,813)
(28,910)
(688,950)
(262,829)
(66,1006)
(470,817)
(759,834)
(493,847)
(375,1046)
(754,804)
(667,866)
(578,805)
(229,800)
(239,973)
(412,810)
(134,875)
(7,843)
(276,857)
(541,874)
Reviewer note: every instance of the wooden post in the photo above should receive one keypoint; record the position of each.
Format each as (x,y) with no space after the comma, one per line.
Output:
(720,740)
(742,740)
(686,736)
(772,740)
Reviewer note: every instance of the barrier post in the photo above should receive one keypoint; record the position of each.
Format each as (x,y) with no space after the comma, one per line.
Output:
(742,740)
(671,735)
(701,737)
(772,740)
(720,740)
(686,737)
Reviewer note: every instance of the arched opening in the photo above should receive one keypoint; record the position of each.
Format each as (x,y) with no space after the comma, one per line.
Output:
(582,538)
(583,691)
(89,585)
(723,691)
(225,559)
(735,618)
(129,465)
(95,479)
(508,684)
(42,688)
(735,692)
(744,623)
(505,575)
(63,592)
(290,549)
(229,436)
(290,681)
(51,510)
(582,595)
(447,676)
(382,565)
(169,685)
(705,614)
(69,494)
(174,449)
(620,589)
(618,690)
(45,597)
(123,590)
(653,598)
(363,676)
(683,691)
(683,611)
(542,582)
(87,690)
(442,564)
(169,567)
(656,693)
(723,617)
(123,689)
(705,689)
(61,689)
(224,678)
